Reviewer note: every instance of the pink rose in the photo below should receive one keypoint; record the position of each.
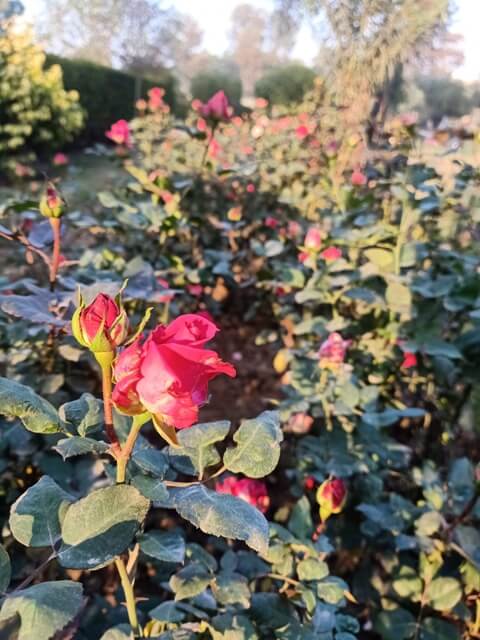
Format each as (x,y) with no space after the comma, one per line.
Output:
(101,325)
(252,491)
(217,108)
(358,178)
(294,229)
(331,254)
(60,159)
(167,373)
(195,290)
(250,187)
(155,98)
(332,351)
(313,239)
(331,496)
(119,132)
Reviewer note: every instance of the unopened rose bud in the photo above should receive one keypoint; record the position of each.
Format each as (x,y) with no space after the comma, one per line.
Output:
(331,496)
(101,326)
(52,205)
(217,108)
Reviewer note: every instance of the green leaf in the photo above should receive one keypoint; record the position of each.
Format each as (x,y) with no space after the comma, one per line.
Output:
(428,523)
(121,632)
(78,446)
(5,570)
(258,446)
(167,546)
(152,488)
(37,415)
(436,347)
(331,590)
(36,517)
(151,461)
(312,569)
(408,584)
(85,414)
(198,443)
(231,588)
(190,581)
(399,298)
(398,624)
(380,257)
(435,629)
(223,515)
(444,593)
(167,612)
(44,609)
(101,526)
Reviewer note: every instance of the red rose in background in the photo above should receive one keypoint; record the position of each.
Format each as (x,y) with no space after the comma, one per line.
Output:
(167,373)
(409,360)
(252,491)
(302,132)
(358,178)
(331,496)
(331,254)
(119,132)
(60,159)
(101,325)
(271,222)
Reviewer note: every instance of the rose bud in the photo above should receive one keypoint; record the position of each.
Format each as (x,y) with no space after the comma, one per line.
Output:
(252,491)
(101,326)
(167,372)
(332,351)
(52,205)
(331,496)
(313,239)
(217,108)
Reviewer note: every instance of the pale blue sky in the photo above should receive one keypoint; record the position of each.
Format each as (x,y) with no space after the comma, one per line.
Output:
(214,18)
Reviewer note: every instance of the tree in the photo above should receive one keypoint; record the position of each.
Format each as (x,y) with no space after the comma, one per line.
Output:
(258,40)
(204,85)
(286,84)
(128,34)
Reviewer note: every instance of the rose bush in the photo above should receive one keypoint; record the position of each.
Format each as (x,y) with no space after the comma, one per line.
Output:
(367,470)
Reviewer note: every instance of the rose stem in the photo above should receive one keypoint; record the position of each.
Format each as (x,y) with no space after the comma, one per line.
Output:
(55,261)
(127,448)
(107,407)
(129,597)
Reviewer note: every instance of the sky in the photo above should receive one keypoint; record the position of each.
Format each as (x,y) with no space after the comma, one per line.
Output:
(213,16)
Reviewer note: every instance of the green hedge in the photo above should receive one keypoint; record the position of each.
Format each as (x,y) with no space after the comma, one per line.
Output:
(108,95)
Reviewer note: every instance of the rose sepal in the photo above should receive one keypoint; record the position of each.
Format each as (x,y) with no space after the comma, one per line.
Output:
(167,431)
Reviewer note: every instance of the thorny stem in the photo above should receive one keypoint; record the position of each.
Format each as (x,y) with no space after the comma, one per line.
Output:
(129,597)
(108,409)
(55,260)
